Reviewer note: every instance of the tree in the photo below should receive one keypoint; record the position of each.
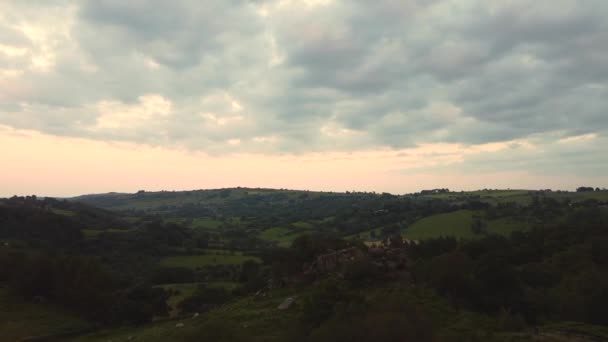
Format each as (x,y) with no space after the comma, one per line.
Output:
(478,227)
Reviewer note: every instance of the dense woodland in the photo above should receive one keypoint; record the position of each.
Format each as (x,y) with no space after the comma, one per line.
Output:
(433,266)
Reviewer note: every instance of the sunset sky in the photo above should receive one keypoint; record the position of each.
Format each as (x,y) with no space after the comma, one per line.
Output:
(385,95)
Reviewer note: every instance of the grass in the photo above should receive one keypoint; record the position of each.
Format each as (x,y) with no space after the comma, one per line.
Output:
(366,235)
(259,318)
(505,226)
(196,261)
(185,290)
(181,292)
(456,223)
(275,233)
(596,333)
(283,236)
(63,212)
(20,319)
(303,225)
(205,223)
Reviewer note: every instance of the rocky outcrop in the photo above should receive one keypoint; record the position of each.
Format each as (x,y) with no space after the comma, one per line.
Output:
(332,261)
(386,259)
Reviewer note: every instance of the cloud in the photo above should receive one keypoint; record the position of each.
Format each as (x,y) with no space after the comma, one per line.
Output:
(295,77)
(115,115)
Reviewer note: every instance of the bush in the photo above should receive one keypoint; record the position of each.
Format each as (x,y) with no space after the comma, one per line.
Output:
(204,299)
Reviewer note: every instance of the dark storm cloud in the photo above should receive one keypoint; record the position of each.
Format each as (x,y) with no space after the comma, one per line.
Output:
(303,76)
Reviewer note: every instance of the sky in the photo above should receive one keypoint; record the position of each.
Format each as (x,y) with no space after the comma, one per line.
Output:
(384,95)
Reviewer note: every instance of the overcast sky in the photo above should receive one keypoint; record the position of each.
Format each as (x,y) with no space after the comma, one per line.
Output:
(114,95)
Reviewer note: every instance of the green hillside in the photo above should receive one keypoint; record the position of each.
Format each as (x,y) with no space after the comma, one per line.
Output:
(20,319)
(156,259)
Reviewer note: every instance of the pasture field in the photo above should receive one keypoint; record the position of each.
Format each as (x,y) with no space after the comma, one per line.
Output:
(205,223)
(505,226)
(456,224)
(283,236)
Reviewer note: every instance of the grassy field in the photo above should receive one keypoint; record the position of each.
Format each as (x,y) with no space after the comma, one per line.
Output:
(283,236)
(505,226)
(20,319)
(205,223)
(195,261)
(303,225)
(457,224)
(366,235)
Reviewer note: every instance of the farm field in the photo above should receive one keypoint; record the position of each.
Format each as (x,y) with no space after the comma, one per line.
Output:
(283,236)
(456,224)
(205,223)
